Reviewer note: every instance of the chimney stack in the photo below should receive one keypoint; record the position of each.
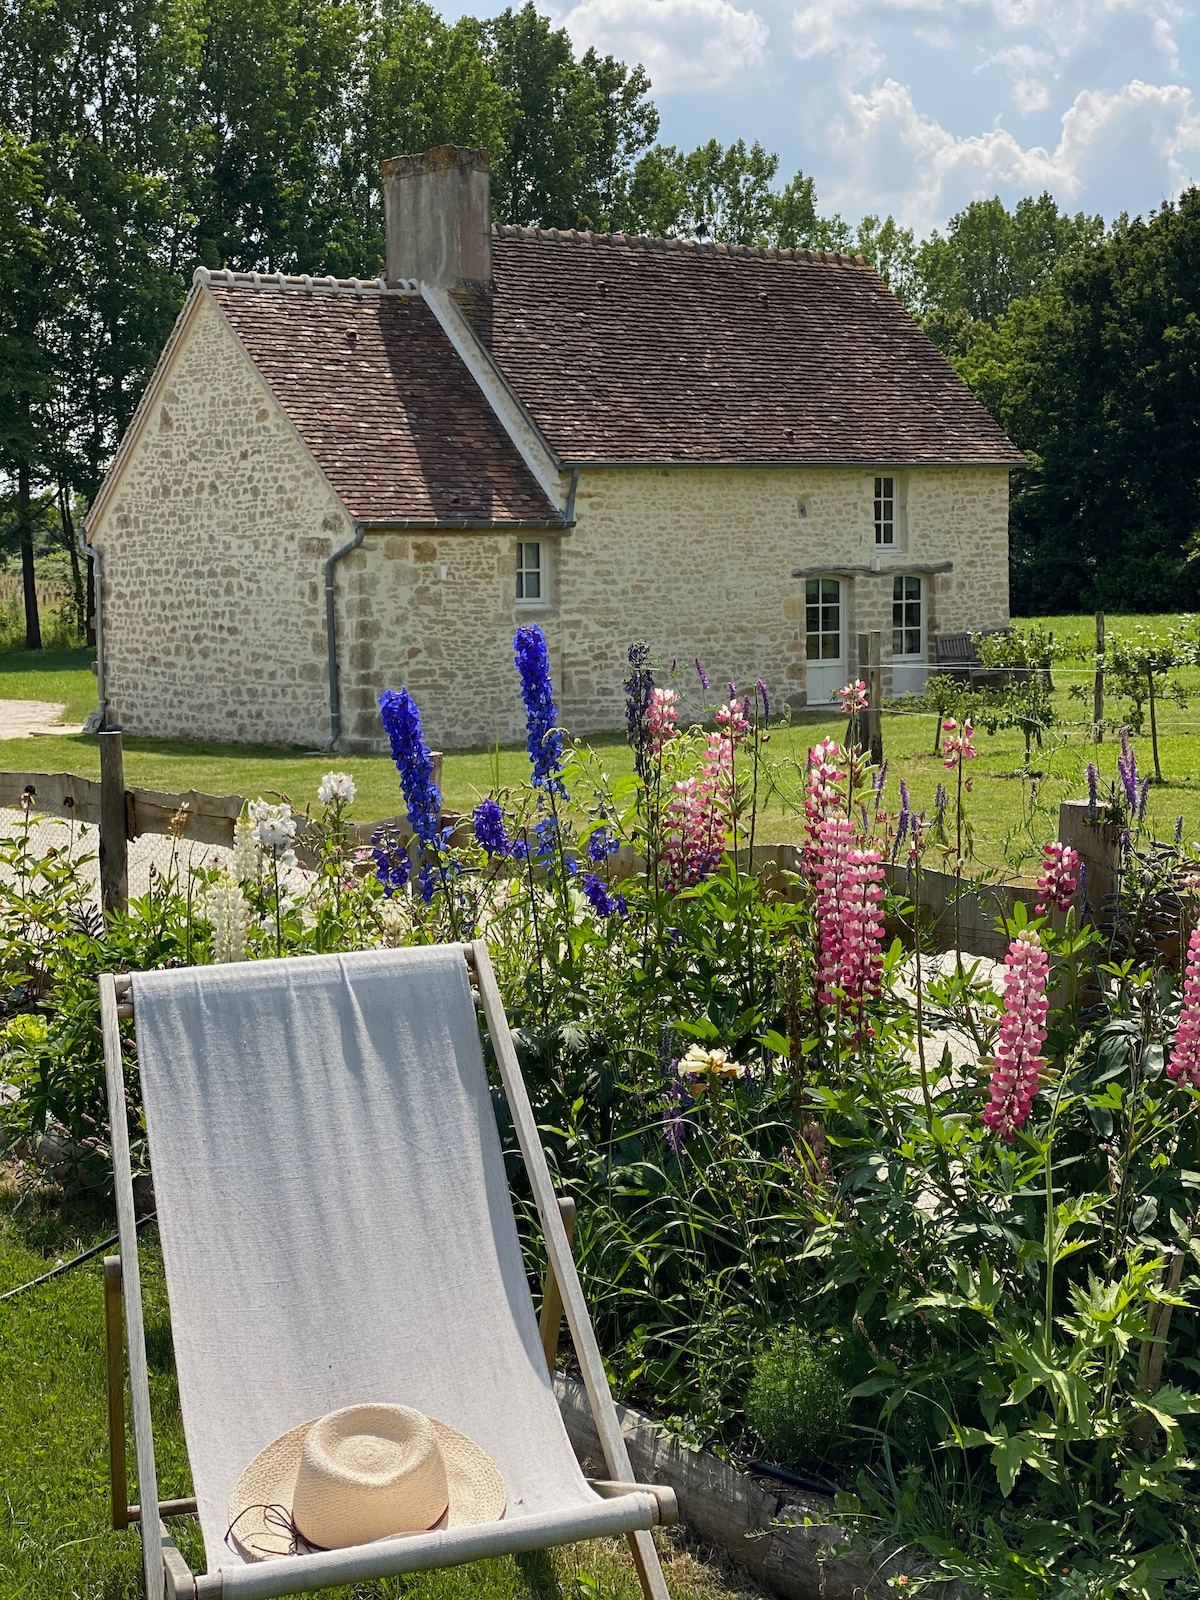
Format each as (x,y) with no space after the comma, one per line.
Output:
(438,215)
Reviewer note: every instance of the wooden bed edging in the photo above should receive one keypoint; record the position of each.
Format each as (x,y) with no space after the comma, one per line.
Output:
(729,1509)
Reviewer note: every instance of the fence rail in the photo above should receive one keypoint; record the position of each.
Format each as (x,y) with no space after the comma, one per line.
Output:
(209,819)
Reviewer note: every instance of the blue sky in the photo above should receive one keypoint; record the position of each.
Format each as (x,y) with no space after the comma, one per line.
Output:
(916,107)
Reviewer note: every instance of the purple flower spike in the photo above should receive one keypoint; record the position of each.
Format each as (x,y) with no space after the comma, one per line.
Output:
(1178,831)
(1093,783)
(703,676)
(1128,772)
(1143,796)
(766,704)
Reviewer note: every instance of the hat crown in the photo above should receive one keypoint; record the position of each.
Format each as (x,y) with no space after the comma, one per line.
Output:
(369,1472)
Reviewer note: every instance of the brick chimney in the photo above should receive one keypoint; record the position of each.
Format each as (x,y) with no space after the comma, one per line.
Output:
(438,212)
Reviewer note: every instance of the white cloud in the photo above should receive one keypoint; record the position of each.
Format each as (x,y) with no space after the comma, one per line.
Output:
(1030,95)
(683,44)
(1137,139)
(834,28)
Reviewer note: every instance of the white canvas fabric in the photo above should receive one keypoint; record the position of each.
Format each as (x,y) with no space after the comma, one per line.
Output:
(335,1217)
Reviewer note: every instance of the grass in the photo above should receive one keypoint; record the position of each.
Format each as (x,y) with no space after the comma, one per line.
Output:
(55,1541)
(1011,814)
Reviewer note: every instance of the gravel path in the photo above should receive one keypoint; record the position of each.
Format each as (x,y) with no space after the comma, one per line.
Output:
(21,719)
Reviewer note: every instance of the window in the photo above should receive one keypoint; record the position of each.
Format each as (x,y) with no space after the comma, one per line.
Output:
(823,623)
(907,621)
(531,574)
(885,510)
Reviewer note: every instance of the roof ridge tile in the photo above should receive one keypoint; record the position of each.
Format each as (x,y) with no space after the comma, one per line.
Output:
(226,278)
(651,241)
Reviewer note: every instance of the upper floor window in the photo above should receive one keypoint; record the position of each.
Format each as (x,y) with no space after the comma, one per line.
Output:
(531,573)
(885,510)
(908,624)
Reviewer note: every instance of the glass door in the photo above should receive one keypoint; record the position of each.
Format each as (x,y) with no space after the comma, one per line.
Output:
(824,640)
(908,635)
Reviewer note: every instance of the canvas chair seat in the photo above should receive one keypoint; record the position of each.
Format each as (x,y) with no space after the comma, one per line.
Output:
(337,1228)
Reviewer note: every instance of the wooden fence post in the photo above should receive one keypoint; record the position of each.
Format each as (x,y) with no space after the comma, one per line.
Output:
(114,852)
(870,649)
(1098,689)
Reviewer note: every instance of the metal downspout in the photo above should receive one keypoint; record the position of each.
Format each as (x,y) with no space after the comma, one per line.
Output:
(335,688)
(569,509)
(94,556)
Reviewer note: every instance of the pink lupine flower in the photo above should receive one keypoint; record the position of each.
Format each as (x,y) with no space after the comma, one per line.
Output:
(1184,1065)
(853,697)
(731,719)
(1059,878)
(1019,1059)
(821,794)
(957,745)
(849,884)
(661,716)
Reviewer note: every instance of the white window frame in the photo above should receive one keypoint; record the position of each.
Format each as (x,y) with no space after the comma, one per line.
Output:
(904,601)
(886,509)
(525,569)
(822,605)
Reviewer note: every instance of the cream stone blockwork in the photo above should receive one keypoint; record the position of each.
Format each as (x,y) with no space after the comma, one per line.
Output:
(695,561)
(213,543)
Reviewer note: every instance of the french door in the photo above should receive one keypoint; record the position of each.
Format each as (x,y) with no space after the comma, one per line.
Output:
(825,639)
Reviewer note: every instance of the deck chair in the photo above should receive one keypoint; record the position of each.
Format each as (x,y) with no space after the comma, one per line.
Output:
(337,1228)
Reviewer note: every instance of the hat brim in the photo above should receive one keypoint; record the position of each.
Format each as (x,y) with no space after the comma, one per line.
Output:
(260,1502)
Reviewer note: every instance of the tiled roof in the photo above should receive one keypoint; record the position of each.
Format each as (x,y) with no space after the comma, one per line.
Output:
(629,349)
(376,392)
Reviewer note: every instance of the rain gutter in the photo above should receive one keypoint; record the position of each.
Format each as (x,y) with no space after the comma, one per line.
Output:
(335,687)
(95,557)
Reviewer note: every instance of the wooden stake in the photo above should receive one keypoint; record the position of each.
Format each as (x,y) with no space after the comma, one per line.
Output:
(1098,689)
(550,1321)
(114,823)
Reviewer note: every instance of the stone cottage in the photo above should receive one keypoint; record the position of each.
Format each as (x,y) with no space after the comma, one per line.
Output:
(334,486)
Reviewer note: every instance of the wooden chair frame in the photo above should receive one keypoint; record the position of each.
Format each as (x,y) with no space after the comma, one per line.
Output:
(632,1508)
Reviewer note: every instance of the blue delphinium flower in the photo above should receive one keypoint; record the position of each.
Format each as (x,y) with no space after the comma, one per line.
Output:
(490,832)
(392,864)
(1093,784)
(601,845)
(544,738)
(414,763)
(545,847)
(639,687)
(601,902)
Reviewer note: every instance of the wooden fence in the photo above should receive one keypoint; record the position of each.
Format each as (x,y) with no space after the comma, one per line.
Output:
(123,814)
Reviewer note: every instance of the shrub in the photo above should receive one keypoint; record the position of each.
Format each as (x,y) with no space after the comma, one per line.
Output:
(796,1401)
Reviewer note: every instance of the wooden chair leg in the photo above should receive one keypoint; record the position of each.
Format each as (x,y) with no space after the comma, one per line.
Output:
(649,1568)
(115,1353)
(550,1322)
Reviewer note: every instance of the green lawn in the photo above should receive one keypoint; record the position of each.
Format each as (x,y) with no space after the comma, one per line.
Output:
(1011,816)
(55,1539)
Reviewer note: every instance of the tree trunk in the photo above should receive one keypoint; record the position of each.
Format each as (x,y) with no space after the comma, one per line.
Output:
(1158,777)
(33,626)
(70,544)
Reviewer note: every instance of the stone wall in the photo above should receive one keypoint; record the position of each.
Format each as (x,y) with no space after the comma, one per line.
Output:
(695,561)
(213,543)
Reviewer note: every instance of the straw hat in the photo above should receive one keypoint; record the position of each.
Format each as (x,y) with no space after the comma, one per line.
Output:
(360,1474)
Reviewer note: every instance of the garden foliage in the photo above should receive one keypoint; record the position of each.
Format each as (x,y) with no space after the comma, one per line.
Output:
(806,1232)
